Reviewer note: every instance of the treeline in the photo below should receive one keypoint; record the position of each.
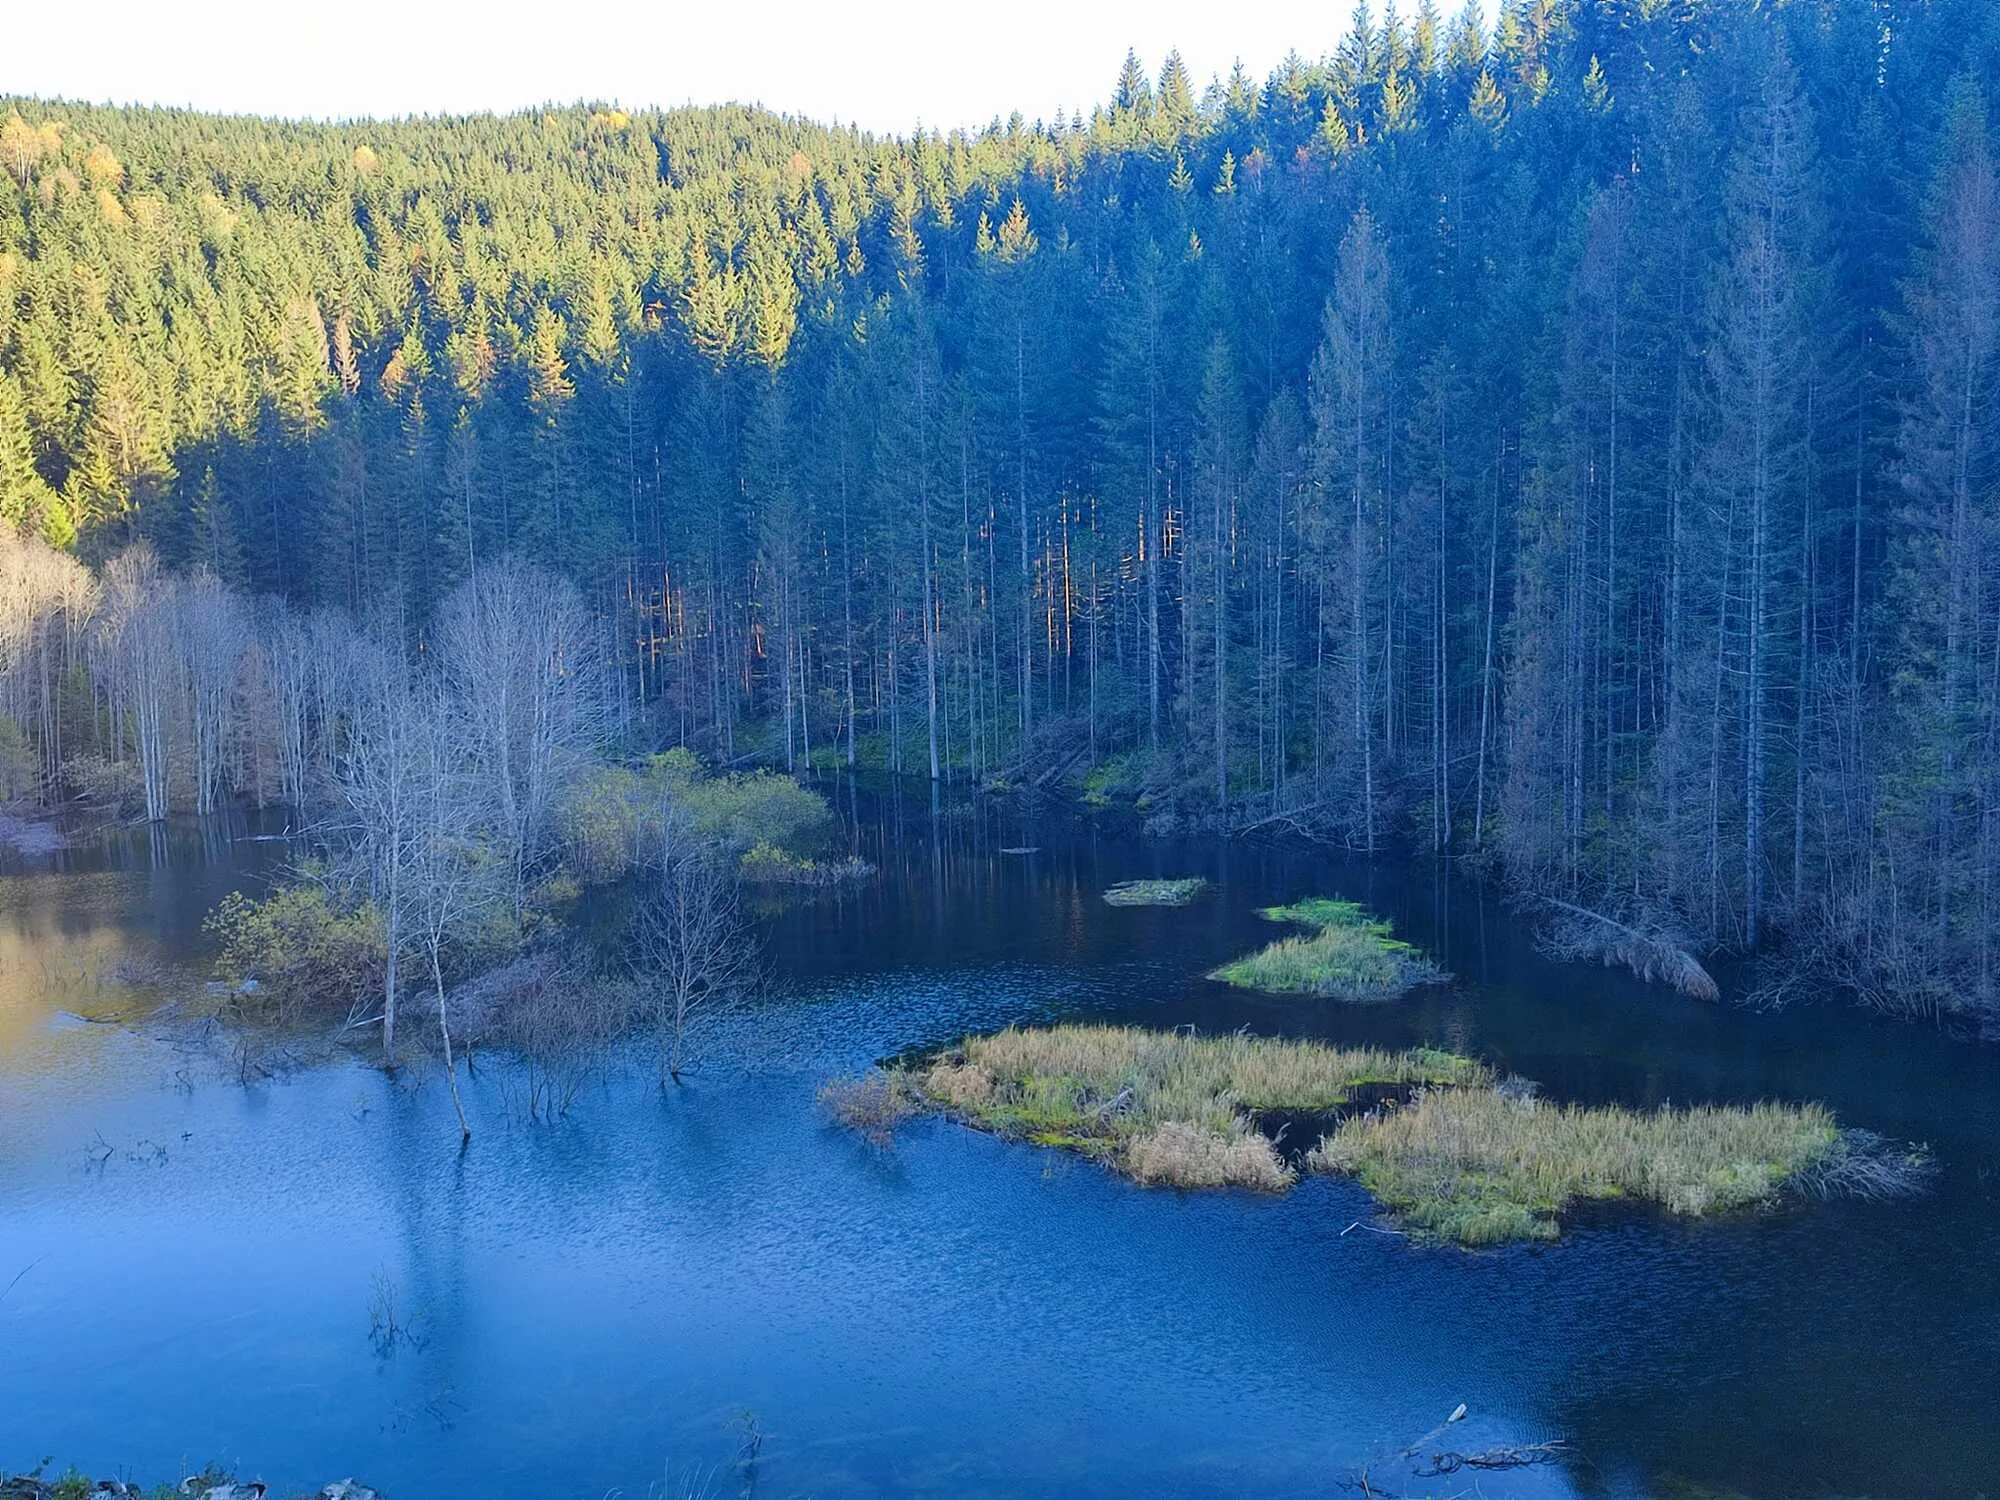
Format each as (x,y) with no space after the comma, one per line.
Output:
(455,800)
(1571,446)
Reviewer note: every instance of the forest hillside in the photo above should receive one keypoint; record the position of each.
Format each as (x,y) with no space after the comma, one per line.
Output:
(1573,445)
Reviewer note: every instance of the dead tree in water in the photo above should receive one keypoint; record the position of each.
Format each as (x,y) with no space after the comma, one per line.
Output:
(133,653)
(414,828)
(692,951)
(452,876)
(376,826)
(213,630)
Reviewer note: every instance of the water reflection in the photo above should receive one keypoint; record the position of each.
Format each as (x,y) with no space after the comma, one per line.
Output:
(597,1304)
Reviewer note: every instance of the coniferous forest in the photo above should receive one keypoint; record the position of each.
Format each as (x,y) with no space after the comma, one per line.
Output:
(1571,446)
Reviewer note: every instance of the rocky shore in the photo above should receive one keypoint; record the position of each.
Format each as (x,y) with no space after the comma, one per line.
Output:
(205,1486)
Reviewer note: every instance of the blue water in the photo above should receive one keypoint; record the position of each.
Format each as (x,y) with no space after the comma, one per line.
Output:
(618,1302)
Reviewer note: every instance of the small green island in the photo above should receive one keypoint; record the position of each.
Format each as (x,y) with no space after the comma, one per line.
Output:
(1454,1154)
(1156,892)
(1343,954)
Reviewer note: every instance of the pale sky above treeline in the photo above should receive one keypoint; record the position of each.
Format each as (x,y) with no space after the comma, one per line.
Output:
(886,65)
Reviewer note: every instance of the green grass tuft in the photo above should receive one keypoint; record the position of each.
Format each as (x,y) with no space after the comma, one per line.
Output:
(1345,954)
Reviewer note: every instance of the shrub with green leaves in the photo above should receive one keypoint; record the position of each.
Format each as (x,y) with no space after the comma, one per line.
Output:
(742,811)
(302,951)
(603,819)
(611,819)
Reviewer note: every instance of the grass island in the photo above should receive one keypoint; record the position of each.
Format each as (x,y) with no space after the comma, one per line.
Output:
(1343,953)
(1452,1153)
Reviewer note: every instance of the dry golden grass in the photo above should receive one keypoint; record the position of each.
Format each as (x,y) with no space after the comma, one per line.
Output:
(1164,1107)
(1187,1156)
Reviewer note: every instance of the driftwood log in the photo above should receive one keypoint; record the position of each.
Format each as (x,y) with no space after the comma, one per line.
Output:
(1520,1456)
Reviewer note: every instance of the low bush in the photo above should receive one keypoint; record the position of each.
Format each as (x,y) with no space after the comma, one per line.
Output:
(874,1104)
(741,812)
(301,952)
(612,819)
(115,786)
(766,864)
(603,820)
(1117,777)
(1345,954)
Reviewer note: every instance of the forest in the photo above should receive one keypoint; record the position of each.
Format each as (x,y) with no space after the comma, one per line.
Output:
(1568,447)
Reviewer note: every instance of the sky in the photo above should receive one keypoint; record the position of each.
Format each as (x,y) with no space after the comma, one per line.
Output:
(883,64)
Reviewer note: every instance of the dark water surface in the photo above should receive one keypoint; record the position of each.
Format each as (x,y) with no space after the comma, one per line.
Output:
(610,1304)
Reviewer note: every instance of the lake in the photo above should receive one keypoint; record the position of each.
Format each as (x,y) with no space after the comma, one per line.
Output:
(713,1290)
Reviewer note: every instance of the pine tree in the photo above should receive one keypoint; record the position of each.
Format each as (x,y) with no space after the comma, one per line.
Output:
(1947,589)
(1353,426)
(1763,318)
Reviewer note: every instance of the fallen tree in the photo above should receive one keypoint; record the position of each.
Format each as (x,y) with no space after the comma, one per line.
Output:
(1657,956)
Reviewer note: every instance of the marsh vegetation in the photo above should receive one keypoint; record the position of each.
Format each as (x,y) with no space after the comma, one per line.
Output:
(1486,1166)
(1168,1108)
(1451,1152)
(1344,954)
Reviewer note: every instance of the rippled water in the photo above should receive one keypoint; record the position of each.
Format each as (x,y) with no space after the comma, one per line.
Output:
(619,1301)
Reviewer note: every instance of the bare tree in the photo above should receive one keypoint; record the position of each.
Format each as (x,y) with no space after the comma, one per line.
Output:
(375,825)
(45,597)
(522,665)
(288,658)
(334,646)
(135,654)
(450,876)
(212,631)
(692,950)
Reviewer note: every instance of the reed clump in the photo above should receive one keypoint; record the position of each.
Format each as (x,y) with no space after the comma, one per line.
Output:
(1480,1167)
(1344,954)
(874,1104)
(1164,1107)
(1156,892)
